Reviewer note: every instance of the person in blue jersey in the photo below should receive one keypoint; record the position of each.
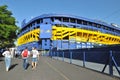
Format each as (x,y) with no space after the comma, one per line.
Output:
(35,56)
(25,54)
(7,55)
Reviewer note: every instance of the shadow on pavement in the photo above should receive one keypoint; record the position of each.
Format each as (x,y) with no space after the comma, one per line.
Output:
(28,65)
(12,66)
(1,59)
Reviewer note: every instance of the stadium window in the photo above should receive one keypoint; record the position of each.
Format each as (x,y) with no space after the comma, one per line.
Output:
(58,18)
(65,19)
(102,27)
(33,23)
(45,40)
(41,20)
(79,21)
(38,26)
(72,20)
(90,23)
(64,25)
(109,29)
(112,29)
(58,25)
(94,24)
(38,21)
(46,23)
(45,44)
(106,28)
(74,26)
(52,19)
(117,31)
(98,25)
(84,22)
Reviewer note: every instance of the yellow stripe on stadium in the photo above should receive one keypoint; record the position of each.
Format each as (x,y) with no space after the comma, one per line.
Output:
(31,36)
(82,35)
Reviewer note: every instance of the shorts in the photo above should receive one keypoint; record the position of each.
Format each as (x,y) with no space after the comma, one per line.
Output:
(34,59)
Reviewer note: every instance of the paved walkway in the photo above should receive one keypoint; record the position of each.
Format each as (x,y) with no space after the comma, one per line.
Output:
(50,69)
(90,65)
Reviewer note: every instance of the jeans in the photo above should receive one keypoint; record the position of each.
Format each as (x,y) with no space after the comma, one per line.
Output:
(25,63)
(34,59)
(7,62)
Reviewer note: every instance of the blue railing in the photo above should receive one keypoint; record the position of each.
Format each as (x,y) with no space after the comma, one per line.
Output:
(106,55)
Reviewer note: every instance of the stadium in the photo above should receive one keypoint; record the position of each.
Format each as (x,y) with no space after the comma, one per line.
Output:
(64,32)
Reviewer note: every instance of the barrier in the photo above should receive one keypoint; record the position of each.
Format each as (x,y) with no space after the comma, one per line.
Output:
(102,55)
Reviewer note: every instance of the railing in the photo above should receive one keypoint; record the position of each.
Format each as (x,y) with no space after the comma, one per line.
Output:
(107,56)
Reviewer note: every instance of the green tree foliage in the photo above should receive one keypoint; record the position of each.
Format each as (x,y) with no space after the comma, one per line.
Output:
(8,28)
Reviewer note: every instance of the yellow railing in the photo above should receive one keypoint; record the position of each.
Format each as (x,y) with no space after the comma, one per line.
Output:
(79,35)
(29,37)
(82,35)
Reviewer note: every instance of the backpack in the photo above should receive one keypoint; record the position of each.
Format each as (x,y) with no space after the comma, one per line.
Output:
(25,53)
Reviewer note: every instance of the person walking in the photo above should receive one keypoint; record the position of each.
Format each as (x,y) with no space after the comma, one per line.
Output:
(35,56)
(7,55)
(25,54)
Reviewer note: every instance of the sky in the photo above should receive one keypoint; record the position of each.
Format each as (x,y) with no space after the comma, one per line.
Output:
(104,10)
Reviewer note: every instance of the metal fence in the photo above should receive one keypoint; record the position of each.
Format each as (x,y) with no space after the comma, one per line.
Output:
(104,55)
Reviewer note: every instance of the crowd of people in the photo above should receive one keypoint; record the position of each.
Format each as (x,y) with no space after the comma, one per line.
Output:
(25,54)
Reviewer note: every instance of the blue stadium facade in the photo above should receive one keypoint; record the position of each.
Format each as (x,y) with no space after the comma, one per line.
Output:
(62,31)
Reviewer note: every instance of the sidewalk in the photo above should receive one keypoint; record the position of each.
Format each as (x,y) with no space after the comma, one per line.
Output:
(50,69)
(90,65)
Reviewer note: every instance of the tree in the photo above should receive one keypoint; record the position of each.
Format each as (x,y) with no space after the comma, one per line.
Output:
(8,28)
